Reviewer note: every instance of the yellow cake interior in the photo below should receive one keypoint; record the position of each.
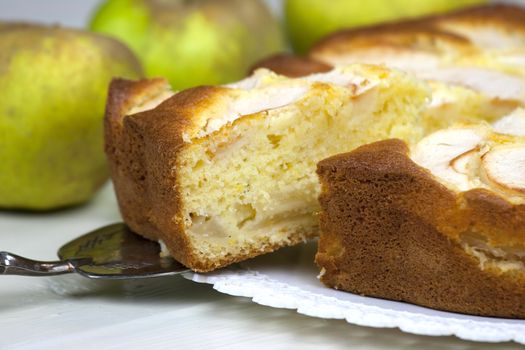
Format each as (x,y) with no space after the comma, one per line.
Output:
(469,83)
(452,104)
(248,184)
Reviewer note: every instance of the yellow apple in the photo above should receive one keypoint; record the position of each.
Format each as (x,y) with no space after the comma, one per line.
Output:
(192,42)
(54,85)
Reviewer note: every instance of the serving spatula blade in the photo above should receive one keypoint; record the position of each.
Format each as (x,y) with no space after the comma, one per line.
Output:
(110,252)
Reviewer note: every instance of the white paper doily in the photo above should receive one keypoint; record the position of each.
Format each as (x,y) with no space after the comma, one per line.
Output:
(287,279)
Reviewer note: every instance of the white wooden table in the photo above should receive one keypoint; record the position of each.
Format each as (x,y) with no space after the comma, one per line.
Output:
(76,313)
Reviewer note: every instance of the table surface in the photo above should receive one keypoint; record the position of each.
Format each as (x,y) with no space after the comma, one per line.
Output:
(69,311)
(74,312)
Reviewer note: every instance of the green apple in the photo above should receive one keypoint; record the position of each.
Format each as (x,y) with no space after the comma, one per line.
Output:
(309,20)
(193,42)
(54,85)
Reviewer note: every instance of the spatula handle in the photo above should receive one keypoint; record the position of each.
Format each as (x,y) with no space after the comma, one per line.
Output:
(11,264)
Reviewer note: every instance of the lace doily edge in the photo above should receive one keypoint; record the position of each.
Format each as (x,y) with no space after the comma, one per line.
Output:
(266,291)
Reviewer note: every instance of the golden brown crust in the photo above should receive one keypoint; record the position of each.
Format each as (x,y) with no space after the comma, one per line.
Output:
(389,230)
(427,33)
(503,15)
(126,172)
(143,151)
(411,34)
(161,130)
(291,65)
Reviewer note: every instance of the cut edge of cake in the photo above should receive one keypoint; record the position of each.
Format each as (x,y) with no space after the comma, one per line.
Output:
(217,172)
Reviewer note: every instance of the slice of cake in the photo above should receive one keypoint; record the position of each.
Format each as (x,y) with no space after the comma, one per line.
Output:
(221,174)
(440,225)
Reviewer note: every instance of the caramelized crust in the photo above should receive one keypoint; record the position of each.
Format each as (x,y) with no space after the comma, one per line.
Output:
(142,150)
(438,30)
(410,34)
(447,34)
(292,66)
(124,155)
(389,229)
(504,15)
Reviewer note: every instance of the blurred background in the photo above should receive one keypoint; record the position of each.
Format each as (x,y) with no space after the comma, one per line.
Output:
(76,13)
(55,81)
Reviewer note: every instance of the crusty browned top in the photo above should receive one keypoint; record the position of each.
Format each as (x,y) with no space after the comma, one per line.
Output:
(401,34)
(127,172)
(142,151)
(427,34)
(476,210)
(509,18)
(291,65)
(505,15)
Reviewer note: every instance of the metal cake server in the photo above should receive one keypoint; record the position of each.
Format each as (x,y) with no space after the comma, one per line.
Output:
(110,252)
